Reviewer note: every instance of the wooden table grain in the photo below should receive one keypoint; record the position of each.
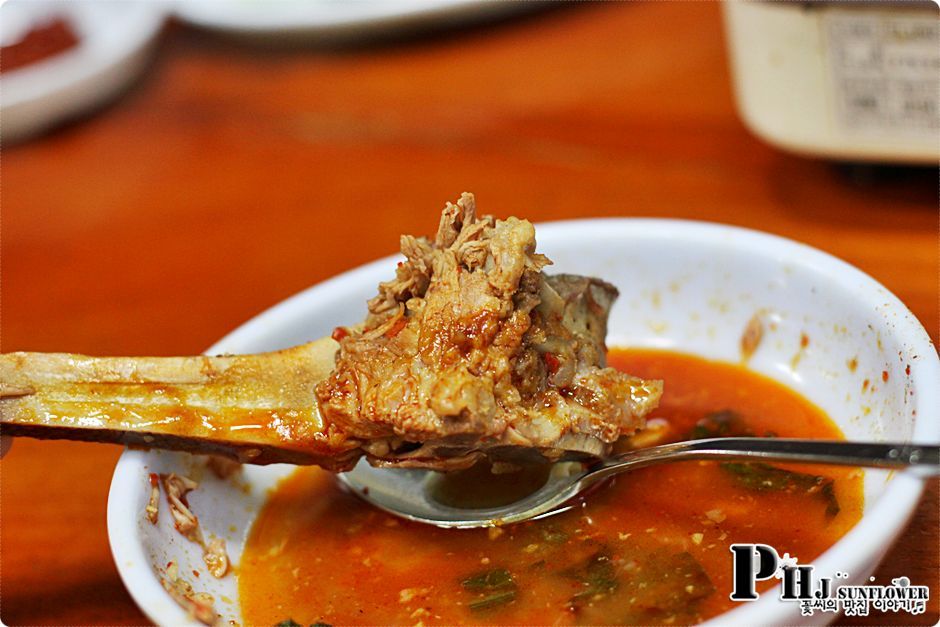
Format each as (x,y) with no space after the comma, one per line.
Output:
(232,176)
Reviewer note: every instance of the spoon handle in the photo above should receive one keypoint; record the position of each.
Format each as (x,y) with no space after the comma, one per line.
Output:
(924,457)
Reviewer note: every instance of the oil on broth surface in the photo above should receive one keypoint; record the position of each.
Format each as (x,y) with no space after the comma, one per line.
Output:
(648,547)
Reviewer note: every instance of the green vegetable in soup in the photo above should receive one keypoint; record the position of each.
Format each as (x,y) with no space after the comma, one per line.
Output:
(494,600)
(598,576)
(666,587)
(763,478)
(720,424)
(495,579)
(496,587)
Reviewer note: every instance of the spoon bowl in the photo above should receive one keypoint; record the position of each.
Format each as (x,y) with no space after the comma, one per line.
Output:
(410,494)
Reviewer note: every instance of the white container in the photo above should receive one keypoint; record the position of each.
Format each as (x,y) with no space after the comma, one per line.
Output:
(688,286)
(842,80)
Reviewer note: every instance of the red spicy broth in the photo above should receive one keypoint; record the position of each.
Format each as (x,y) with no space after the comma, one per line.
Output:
(649,547)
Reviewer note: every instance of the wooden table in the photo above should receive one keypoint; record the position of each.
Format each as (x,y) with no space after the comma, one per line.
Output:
(231,177)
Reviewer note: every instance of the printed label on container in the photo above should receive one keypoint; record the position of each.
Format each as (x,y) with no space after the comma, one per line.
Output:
(885,72)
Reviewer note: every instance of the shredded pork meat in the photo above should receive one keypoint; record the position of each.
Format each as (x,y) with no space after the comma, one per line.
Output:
(216,558)
(199,605)
(187,523)
(152,510)
(472,349)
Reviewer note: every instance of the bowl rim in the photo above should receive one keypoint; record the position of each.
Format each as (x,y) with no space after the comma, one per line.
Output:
(860,548)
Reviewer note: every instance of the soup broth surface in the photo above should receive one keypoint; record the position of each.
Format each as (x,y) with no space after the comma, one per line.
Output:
(648,547)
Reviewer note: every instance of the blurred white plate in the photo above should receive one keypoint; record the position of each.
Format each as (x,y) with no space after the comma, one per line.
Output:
(114,41)
(336,17)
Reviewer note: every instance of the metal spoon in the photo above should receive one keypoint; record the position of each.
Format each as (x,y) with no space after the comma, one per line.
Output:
(410,493)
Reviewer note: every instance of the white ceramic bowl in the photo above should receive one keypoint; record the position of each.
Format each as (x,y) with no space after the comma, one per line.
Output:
(684,285)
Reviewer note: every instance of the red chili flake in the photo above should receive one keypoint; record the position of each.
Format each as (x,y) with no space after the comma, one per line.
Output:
(397,327)
(907,370)
(154,479)
(339,333)
(884,376)
(865,385)
(804,340)
(551,362)
(196,573)
(401,263)
(168,564)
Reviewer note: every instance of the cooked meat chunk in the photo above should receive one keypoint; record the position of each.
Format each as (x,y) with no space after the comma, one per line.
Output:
(473,349)
(216,557)
(152,511)
(470,350)
(199,605)
(185,521)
